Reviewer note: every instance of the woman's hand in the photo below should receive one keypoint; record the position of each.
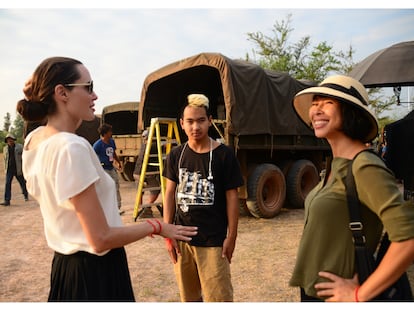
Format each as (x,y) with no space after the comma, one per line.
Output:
(339,289)
(178,232)
(396,260)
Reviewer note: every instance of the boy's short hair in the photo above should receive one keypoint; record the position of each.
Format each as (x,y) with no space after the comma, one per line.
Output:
(104,128)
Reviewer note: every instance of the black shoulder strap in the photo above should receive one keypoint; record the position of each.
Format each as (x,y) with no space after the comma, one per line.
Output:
(363,258)
(355,220)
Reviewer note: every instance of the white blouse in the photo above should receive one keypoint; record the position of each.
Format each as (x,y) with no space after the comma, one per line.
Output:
(59,168)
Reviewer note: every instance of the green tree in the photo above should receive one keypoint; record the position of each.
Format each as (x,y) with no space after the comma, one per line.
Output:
(380,104)
(17,129)
(298,59)
(2,137)
(7,122)
(304,62)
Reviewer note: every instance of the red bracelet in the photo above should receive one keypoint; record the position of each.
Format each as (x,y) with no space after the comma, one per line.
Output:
(356,293)
(160,226)
(154,229)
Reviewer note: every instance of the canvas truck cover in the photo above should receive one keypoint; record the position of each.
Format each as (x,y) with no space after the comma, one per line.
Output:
(122,116)
(126,106)
(256,101)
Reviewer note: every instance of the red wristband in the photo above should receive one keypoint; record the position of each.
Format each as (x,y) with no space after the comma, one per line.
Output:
(356,293)
(154,229)
(160,226)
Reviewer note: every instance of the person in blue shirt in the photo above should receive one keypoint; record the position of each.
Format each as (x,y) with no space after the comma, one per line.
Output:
(105,149)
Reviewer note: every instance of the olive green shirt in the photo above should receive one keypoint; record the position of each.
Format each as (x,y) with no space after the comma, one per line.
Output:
(326,243)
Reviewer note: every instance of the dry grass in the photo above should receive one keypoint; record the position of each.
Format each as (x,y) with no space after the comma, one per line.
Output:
(261,266)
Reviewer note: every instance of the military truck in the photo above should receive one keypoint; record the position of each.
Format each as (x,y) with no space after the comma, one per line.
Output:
(124,120)
(279,155)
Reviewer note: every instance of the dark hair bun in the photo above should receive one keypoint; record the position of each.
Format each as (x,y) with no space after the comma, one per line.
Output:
(32,111)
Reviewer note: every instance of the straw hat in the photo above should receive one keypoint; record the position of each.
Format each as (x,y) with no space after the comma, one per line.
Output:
(343,88)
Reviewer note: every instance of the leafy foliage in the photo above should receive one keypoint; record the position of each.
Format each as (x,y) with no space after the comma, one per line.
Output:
(304,62)
(298,59)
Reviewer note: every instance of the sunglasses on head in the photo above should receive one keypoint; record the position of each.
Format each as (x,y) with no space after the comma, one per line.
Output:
(87,85)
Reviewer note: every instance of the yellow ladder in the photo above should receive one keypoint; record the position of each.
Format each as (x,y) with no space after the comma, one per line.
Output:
(165,142)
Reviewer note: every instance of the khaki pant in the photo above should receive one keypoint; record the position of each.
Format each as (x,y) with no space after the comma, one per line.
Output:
(202,274)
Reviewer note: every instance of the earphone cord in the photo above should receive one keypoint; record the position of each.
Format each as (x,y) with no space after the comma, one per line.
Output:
(181,156)
(210,174)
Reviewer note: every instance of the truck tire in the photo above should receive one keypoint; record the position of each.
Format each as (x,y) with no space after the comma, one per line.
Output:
(243,210)
(302,178)
(285,166)
(128,171)
(266,190)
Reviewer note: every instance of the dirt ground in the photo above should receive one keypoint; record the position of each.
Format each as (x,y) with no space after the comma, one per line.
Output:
(261,266)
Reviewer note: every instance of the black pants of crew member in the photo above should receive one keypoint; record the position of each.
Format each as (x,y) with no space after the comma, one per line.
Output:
(87,277)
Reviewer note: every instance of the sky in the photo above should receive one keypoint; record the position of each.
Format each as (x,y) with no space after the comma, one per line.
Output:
(121,45)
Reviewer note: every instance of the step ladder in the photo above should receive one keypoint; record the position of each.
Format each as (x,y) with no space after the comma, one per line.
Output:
(164,145)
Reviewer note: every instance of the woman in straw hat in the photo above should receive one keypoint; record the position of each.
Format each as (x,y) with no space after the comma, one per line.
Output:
(337,110)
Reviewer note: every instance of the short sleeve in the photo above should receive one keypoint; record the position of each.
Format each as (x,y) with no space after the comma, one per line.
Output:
(75,170)
(232,169)
(378,190)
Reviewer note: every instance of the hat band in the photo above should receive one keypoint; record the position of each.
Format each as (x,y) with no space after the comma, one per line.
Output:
(351,91)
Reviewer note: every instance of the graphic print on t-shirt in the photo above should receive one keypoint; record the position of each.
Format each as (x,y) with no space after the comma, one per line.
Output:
(194,190)
(110,153)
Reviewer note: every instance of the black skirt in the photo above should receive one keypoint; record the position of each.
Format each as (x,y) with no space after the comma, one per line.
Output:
(87,277)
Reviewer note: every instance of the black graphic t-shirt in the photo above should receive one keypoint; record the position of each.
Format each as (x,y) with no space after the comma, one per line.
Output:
(201,191)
